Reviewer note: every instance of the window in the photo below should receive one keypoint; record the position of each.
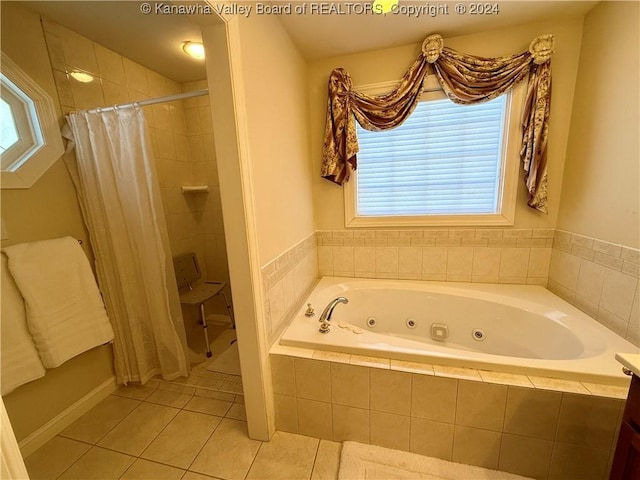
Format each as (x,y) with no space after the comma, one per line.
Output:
(447,164)
(21,133)
(29,138)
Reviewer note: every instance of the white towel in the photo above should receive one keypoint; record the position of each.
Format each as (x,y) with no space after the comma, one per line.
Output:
(20,360)
(65,313)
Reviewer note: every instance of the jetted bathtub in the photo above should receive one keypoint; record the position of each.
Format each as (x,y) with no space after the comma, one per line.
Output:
(509,328)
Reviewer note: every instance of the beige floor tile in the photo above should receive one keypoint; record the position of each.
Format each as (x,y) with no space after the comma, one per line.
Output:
(433,439)
(210,406)
(481,405)
(237,412)
(227,397)
(327,461)
(529,457)
(389,430)
(95,424)
(54,457)
(169,398)
(197,476)
(391,391)
(284,457)
(532,413)
(178,388)
(179,443)
(146,470)
(99,464)
(433,398)
(350,385)
(137,392)
(476,447)
(350,424)
(138,430)
(214,458)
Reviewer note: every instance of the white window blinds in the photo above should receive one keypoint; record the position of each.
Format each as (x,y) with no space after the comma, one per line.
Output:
(444,159)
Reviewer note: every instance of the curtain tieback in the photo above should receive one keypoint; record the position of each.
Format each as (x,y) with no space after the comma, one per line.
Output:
(432,47)
(541,48)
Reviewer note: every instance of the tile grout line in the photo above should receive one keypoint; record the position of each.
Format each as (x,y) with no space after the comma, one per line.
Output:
(137,457)
(253,460)
(103,436)
(315,459)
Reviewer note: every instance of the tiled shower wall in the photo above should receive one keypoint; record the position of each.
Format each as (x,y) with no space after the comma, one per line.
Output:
(180,133)
(286,281)
(599,278)
(519,256)
(119,80)
(206,208)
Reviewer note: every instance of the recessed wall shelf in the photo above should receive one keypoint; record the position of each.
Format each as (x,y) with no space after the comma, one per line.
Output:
(195,188)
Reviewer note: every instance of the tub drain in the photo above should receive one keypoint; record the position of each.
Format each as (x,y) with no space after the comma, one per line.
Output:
(478,334)
(371,322)
(411,323)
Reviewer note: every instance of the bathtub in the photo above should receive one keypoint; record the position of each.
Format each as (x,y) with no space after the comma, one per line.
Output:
(520,329)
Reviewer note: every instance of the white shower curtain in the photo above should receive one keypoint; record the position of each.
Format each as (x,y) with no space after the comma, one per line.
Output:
(119,195)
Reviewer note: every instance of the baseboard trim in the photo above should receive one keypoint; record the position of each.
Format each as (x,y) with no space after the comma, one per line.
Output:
(65,418)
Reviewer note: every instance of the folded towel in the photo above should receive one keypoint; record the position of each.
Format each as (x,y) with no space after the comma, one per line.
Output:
(65,313)
(20,360)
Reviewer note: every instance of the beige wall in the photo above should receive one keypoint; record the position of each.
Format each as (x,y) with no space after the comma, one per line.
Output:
(47,210)
(600,193)
(274,76)
(390,64)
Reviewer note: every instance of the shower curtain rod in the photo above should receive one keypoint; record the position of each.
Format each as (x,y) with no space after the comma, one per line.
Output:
(152,101)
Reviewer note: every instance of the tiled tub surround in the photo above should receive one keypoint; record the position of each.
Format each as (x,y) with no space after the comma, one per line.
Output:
(599,278)
(533,426)
(286,281)
(519,256)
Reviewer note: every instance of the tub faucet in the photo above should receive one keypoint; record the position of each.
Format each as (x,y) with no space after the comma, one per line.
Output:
(325,318)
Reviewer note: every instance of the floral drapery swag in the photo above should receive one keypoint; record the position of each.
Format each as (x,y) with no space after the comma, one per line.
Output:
(465,79)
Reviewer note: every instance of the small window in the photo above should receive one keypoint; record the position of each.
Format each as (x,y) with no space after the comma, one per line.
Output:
(30,140)
(21,133)
(447,164)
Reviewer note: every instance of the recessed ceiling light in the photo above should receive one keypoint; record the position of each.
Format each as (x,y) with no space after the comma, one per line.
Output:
(80,76)
(384,6)
(194,49)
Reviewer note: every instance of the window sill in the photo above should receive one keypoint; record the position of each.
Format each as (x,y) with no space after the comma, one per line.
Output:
(430,221)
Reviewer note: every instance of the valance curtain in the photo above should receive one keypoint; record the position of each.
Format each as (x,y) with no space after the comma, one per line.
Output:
(465,79)
(119,194)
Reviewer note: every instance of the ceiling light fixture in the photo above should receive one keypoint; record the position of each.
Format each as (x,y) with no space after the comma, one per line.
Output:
(194,49)
(81,76)
(384,6)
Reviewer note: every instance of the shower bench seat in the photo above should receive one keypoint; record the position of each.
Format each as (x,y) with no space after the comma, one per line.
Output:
(187,274)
